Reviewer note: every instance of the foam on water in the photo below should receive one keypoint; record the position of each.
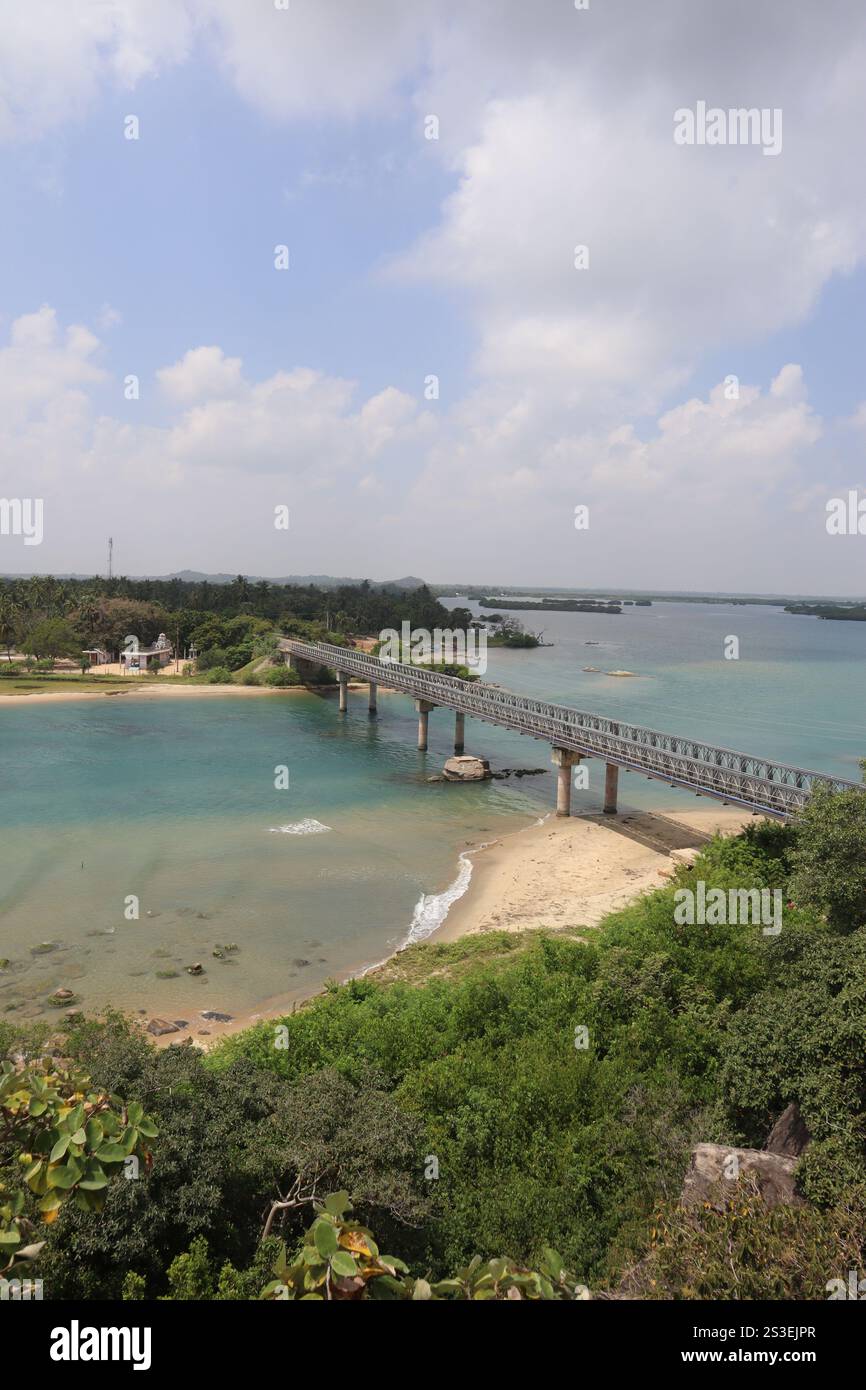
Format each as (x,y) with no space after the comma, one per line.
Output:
(431,909)
(310,826)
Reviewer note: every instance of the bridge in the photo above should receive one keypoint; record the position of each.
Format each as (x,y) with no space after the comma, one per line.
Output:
(740,779)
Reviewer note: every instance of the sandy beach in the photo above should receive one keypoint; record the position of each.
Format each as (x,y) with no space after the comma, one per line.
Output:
(163,690)
(560,873)
(572,872)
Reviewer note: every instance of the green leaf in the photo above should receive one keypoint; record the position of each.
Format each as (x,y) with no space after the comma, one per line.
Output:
(338,1203)
(110,1153)
(326,1238)
(422,1290)
(60,1148)
(343,1265)
(93,1133)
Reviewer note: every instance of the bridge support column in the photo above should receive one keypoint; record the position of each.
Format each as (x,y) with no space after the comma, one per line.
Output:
(611,782)
(423,707)
(564,759)
(344,691)
(459,731)
(373,690)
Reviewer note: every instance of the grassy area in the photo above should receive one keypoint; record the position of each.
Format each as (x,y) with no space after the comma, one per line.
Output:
(44,682)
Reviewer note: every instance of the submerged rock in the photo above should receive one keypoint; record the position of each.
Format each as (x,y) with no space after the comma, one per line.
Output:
(60,997)
(214,1016)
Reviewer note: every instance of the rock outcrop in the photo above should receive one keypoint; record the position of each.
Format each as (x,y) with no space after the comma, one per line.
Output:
(717,1167)
(789,1134)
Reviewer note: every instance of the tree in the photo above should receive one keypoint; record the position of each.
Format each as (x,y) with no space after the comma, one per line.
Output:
(52,637)
(829,858)
(10,617)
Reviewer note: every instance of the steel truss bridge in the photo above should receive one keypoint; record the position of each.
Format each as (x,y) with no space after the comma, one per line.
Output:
(757,784)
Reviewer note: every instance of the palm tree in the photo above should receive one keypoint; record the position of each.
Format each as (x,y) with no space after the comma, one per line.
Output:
(10,617)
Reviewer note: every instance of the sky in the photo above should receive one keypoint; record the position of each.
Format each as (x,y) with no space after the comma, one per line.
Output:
(437,378)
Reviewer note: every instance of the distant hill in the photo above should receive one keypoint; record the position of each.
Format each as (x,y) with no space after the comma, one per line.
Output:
(322,581)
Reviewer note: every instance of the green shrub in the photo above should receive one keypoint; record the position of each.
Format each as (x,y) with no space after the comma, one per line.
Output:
(282,676)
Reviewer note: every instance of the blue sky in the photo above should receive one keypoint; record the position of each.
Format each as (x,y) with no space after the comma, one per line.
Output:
(453,257)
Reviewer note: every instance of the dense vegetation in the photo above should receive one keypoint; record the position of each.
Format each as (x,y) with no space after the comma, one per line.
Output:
(229,624)
(511,1096)
(840,612)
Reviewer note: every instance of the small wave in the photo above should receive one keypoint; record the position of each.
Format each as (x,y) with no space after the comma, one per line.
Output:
(431,909)
(300,827)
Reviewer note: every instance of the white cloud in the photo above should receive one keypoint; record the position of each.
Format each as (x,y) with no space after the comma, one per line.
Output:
(201,373)
(54,58)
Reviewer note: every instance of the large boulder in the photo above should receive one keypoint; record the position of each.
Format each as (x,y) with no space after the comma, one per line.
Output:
(712,1171)
(467,769)
(789,1134)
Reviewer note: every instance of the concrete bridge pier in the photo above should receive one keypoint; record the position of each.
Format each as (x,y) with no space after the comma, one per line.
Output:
(373,689)
(459,729)
(611,782)
(564,759)
(344,691)
(423,707)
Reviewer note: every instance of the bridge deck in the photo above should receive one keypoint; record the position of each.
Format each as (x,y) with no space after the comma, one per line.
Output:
(757,784)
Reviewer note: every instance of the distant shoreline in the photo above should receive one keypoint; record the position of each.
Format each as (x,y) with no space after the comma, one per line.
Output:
(151,688)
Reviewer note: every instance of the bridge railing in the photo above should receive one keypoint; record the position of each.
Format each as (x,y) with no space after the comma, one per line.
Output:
(718,771)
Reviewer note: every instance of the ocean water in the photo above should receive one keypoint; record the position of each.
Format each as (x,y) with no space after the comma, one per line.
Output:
(173,801)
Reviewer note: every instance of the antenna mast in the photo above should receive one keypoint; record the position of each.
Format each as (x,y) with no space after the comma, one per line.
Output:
(110,549)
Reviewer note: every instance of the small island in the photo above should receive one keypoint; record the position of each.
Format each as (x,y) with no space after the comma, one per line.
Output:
(837,612)
(554,605)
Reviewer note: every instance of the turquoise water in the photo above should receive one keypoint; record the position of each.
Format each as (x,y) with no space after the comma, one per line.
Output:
(173,800)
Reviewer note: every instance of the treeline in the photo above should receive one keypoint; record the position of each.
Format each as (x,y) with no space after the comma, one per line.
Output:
(849,612)
(510,1096)
(49,617)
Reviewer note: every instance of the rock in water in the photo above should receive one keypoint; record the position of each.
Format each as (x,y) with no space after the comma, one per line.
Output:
(467,769)
(158,1026)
